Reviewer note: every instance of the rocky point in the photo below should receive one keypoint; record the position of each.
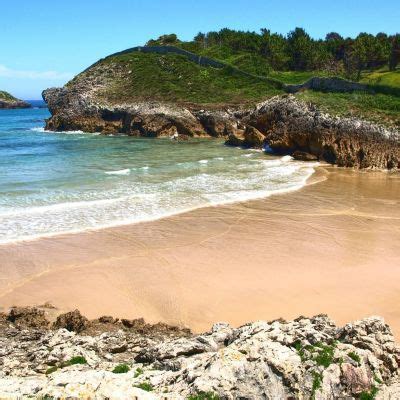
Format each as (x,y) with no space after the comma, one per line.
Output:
(308,358)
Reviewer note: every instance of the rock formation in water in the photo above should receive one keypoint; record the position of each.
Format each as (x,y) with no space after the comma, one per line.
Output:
(308,358)
(8,101)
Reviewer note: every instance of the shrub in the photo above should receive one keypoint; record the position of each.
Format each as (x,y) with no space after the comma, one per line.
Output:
(121,369)
(145,386)
(369,395)
(51,370)
(77,360)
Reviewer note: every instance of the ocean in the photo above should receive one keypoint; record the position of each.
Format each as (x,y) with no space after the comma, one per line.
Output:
(64,182)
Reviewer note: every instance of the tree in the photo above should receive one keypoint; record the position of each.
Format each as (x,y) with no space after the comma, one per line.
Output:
(300,48)
(394,52)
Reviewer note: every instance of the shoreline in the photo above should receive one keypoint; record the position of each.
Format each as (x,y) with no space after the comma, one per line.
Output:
(315,250)
(317,168)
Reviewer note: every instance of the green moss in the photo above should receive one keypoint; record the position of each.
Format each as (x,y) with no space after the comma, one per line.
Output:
(51,370)
(138,372)
(121,369)
(316,384)
(325,355)
(355,357)
(76,360)
(204,396)
(145,386)
(369,395)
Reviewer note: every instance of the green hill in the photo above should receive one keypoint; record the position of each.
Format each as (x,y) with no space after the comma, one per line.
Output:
(7,96)
(138,76)
(133,76)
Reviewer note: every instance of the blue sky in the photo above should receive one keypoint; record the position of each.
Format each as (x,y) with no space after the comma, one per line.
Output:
(46,42)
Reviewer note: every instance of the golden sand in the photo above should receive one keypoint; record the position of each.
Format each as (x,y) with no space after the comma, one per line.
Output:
(332,247)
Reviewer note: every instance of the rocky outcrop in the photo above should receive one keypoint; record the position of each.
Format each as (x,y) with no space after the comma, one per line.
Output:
(8,101)
(283,123)
(289,125)
(308,358)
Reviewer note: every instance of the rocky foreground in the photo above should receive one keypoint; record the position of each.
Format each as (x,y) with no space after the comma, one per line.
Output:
(282,124)
(308,358)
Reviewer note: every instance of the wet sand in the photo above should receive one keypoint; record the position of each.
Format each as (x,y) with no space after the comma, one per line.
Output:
(332,247)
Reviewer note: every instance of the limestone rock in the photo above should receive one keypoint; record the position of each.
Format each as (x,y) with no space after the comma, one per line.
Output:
(303,359)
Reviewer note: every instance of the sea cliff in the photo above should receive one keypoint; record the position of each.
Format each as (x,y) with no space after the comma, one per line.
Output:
(308,358)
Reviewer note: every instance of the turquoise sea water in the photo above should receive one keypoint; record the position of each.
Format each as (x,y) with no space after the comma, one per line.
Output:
(54,183)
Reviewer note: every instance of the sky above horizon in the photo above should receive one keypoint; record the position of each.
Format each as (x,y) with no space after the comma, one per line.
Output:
(45,42)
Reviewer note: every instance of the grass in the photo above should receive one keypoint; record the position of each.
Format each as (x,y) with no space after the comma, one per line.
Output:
(77,360)
(369,395)
(355,357)
(204,396)
(6,96)
(316,384)
(383,77)
(138,372)
(380,108)
(172,78)
(135,76)
(295,77)
(145,386)
(51,370)
(121,369)
(325,355)
(322,354)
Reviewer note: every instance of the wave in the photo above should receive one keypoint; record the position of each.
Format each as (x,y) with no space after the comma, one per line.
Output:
(145,197)
(126,171)
(76,132)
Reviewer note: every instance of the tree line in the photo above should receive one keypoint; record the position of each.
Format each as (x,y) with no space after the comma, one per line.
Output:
(298,51)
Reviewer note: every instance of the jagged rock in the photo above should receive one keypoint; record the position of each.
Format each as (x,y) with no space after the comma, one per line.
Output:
(303,156)
(253,138)
(284,123)
(305,358)
(72,321)
(291,125)
(235,139)
(28,317)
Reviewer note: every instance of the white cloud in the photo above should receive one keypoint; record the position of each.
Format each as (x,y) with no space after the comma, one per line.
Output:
(48,75)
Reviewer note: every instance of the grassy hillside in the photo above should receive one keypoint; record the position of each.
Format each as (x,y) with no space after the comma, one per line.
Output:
(139,76)
(172,78)
(6,96)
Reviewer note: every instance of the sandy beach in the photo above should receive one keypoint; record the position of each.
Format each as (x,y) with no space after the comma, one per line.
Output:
(332,247)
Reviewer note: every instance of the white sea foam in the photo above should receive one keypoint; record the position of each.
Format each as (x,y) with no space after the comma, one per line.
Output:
(76,132)
(143,197)
(126,171)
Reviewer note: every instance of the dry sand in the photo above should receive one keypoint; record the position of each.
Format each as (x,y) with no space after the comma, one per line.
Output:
(332,247)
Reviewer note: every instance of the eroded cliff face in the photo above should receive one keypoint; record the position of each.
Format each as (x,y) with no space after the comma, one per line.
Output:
(308,358)
(283,124)
(72,110)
